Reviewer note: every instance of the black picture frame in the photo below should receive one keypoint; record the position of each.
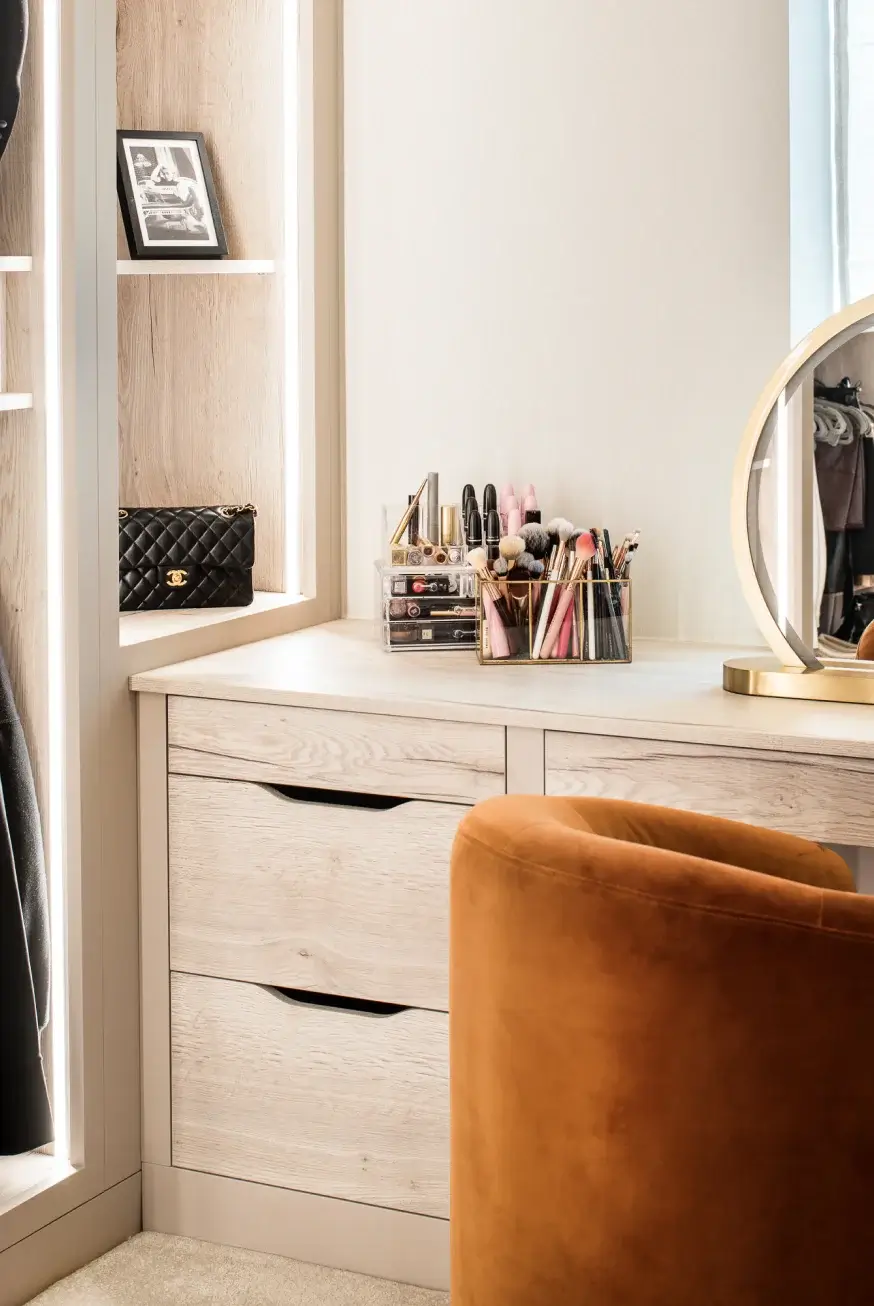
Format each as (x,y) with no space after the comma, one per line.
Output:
(167,196)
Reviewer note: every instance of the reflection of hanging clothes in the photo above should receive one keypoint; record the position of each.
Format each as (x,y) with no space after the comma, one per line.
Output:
(862,539)
(841,473)
(25,1114)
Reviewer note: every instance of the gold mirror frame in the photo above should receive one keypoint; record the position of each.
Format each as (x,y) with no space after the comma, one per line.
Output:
(794,671)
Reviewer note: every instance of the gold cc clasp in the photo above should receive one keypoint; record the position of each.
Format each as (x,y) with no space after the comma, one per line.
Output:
(177,578)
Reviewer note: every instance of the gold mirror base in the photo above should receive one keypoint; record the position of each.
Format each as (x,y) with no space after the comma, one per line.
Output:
(766,678)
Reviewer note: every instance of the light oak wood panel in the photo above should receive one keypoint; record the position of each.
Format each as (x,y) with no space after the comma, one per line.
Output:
(825,799)
(348,751)
(200,366)
(344,1235)
(217,68)
(154,929)
(336,899)
(670,691)
(326,1101)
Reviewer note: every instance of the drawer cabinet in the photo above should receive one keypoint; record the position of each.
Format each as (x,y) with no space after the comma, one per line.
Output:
(335,897)
(826,800)
(445,760)
(342,1103)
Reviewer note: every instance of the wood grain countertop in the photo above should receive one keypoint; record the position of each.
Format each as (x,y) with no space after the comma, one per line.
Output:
(670,691)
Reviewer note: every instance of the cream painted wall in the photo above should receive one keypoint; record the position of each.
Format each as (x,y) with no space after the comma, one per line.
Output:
(567,261)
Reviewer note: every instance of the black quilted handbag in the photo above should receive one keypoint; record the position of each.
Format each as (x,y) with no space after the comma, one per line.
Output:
(172,558)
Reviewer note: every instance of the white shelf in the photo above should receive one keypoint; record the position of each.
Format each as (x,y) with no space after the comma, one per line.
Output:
(143,627)
(11,403)
(16,263)
(195,267)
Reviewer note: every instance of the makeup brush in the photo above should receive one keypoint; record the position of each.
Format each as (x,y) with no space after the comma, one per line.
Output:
(511,548)
(500,566)
(499,645)
(584,551)
(561,527)
(493,534)
(490,499)
(536,539)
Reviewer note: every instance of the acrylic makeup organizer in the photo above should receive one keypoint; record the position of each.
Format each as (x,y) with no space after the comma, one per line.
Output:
(596,622)
(426,608)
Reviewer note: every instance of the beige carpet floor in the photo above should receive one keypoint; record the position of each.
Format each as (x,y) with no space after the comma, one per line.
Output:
(156,1270)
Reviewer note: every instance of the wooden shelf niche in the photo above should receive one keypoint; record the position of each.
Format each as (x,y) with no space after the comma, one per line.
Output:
(201,351)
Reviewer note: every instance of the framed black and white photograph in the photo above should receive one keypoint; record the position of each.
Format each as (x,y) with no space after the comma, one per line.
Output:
(167,196)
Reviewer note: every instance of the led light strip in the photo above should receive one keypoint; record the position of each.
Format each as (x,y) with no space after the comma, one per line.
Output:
(55,822)
(291,294)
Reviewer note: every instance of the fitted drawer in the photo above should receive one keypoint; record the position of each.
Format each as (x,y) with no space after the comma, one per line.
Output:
(342,1103)
(447,760)
(339,898)
(825,799)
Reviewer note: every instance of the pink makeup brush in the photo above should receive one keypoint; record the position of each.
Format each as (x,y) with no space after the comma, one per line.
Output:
(499,645)
(564,640)
(585,551)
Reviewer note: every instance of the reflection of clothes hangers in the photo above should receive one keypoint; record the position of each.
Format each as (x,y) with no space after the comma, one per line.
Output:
(830,424)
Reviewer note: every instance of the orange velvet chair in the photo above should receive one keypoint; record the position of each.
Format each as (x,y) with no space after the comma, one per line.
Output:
(662,1062)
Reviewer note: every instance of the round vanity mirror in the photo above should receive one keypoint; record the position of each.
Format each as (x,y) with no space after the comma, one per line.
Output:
(803,518)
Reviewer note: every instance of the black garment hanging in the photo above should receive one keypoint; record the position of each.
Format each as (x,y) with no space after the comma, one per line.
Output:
(25,1113)
(843,478)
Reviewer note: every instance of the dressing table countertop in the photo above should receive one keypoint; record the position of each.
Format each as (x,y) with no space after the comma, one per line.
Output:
(671,691)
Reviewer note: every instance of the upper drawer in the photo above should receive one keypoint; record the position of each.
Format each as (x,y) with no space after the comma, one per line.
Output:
(336,750)
(310,895)
(821,799)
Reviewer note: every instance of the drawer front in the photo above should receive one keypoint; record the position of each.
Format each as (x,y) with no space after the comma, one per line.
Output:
(310,895)
(821,799)
(444,760)
(340,1103)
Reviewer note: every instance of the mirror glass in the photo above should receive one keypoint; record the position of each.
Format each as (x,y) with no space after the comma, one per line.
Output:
(810,504)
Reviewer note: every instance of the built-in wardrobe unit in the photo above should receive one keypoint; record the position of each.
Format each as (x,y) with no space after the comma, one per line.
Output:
(124,383)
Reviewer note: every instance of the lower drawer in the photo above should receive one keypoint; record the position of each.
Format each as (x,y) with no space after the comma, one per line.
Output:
(327,1100)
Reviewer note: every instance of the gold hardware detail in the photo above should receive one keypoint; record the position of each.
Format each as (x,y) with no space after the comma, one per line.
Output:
(234,510)
(176,579)
(122,513)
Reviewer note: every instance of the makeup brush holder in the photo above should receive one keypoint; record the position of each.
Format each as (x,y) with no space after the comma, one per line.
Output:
(570,623)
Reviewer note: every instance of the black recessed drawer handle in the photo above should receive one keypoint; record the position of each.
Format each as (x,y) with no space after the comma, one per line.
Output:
(363,1006)
(338,798)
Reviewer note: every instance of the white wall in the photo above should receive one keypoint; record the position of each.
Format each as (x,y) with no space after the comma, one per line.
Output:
(568,261)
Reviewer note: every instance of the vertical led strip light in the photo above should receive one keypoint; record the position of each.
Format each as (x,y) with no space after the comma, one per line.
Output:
(291,296)
(54,470)
(782,473)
